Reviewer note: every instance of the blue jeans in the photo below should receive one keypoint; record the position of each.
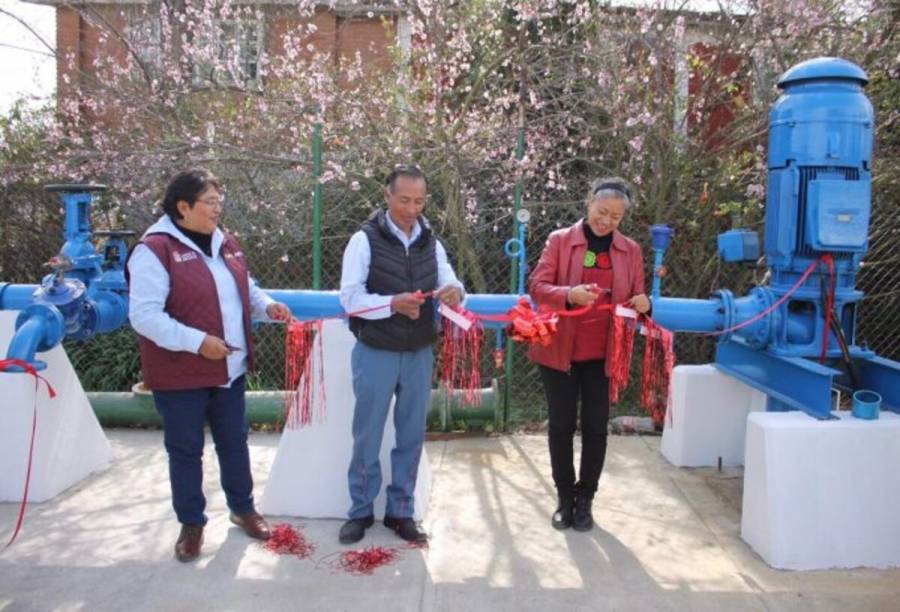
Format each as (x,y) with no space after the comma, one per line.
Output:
(379,375)
(184,414)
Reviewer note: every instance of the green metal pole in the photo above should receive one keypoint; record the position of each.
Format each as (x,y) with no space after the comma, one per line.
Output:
(317,206)
(513,272)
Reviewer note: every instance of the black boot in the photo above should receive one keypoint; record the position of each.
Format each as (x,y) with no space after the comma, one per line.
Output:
(562,518)
(582,519)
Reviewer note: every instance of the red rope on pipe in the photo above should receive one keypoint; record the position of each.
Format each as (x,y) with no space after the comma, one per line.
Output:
(5,364)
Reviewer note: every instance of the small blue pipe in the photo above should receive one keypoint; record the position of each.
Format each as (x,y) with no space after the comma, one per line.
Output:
(660,237)
(27,338)
(657,264)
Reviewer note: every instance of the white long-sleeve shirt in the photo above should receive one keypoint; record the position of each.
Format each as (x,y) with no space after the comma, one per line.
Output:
(149,290)
(355,271)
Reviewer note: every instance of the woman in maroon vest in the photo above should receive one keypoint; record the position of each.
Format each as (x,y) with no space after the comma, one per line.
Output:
(590,262)
(191,300)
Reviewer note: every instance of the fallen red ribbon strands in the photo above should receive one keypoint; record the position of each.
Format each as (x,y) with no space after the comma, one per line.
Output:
(286,540)
(364,562)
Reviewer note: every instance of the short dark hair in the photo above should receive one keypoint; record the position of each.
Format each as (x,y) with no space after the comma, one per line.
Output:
(187,185)
(407,170)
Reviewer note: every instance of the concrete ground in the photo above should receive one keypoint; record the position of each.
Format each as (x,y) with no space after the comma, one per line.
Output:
(668,539)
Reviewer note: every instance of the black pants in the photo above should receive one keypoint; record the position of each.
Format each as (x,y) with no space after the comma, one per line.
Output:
(588,381)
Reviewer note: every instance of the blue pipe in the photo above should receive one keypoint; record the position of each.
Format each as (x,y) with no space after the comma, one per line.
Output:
(657,280)
(112,311)
(16,297)
(660,237)
(27,339)
(307,304)
(688,315)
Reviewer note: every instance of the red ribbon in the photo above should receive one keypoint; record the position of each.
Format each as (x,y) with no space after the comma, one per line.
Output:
(6,364)
(829,304)
(656,371)
(620,358)
(286,540)
(461,357)
(302,339)
(365,561)
(809,270)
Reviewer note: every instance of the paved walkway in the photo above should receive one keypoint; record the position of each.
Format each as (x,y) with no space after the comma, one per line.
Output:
(668,540)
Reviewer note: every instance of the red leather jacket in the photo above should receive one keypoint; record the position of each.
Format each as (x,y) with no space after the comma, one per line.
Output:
(560,269)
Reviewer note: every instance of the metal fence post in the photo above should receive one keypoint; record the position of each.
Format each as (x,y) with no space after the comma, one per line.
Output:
(513,273)
(317,206)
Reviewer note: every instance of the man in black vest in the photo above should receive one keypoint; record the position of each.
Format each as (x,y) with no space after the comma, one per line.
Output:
(389,267)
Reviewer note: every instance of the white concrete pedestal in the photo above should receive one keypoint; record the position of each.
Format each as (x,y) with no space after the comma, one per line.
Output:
(69,443)
(822,494)
(309,475)
(708,417)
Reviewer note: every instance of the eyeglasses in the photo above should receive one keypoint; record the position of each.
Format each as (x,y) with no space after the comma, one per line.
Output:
(214,201)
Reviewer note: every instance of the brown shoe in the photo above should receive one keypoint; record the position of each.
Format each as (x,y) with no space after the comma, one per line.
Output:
(187,548)
(253,524)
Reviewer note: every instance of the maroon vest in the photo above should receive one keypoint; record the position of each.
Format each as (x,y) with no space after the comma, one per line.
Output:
(193,301)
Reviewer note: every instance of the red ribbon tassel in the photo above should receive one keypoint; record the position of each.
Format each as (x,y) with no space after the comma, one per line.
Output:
(620,358)
(461,357)
(303,338)
(656,375)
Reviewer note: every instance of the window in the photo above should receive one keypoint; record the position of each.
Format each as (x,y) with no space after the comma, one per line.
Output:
(230,56)
(143,35)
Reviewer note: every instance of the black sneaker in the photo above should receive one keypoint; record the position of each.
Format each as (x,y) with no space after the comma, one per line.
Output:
(562,518)
(582,519)
(406,528)
(353,530)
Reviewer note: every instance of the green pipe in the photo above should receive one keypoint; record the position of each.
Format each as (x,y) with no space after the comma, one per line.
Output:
(514,269)
(317,207)
(135,408)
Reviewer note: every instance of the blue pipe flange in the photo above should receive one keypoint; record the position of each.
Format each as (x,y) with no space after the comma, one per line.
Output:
(84,324)
(726,298)
(512,247)
(763,331)
(112,311)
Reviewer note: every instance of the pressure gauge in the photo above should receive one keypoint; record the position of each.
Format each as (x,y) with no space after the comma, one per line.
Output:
(523,215)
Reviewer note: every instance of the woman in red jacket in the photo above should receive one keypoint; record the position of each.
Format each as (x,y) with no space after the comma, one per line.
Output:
(590,262)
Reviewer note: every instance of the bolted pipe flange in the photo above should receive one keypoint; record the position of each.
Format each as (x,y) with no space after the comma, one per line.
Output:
(726,298)
(763,330)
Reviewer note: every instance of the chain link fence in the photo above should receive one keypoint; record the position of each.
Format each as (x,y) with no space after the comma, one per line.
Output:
(110,362)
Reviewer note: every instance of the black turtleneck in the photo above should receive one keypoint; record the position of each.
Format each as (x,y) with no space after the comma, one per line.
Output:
(597,244)
(203,241)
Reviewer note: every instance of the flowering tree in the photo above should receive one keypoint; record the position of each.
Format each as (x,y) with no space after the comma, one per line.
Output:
(674,100)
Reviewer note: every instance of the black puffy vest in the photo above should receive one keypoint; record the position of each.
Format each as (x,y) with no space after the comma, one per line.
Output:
(392,270)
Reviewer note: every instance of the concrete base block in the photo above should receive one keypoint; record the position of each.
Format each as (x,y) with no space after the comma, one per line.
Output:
(822,494)
(707,417)
(309,474)
(69,443)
